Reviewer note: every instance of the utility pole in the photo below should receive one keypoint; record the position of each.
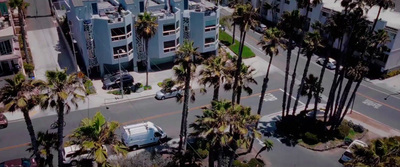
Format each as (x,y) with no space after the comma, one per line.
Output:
(120,72)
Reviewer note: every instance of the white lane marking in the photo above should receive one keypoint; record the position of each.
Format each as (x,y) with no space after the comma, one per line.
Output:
(372,103)
(269,97)
(292,97)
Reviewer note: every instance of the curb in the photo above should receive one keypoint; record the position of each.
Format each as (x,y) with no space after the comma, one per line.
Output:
(118,101)
(31,114)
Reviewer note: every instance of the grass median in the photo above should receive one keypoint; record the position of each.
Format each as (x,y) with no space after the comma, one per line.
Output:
(226,39)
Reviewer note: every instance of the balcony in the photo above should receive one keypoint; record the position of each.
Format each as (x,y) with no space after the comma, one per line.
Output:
(119,37)
(210,28)
(171,32)
(121,55)
(170,49)
(211,44)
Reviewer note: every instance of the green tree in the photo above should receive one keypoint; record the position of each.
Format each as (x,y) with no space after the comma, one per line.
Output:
(94,135)
(19,94)
(146,28)
(215,71)
(290,24)
(267,145)
(310,87)
(21,5)
(184,73)
(312,43)
(46,142)
(245,16)
(60,92)
(382,4)
(244,80)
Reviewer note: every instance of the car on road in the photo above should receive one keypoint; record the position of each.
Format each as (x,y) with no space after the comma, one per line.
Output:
(260,28)
(20,162)
(348,154)
(164,94)
(3,121)
(331,63)
(140,135)
(115,81)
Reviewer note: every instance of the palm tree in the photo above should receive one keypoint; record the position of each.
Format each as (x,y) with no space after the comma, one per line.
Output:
(310,87)
(312,44)
(215,71)
(383,4)
(290,23)
(46,142)
(95,134)
(184,72)
(246,17)
(60,93)
(244,80)
(146,28)
(21,5)
(269,43)
(212,125)
(19,94)
(267,145)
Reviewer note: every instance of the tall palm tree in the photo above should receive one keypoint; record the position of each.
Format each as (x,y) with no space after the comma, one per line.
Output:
(212,125)
(19,95)
(184,72)
(244,80)
(382,4)
(21,5)
(215,71)
(267,145)
(290,24)
(93,134)
(312,44)
(246,16)
(309,88)
(146,28)
(46,142)
(269,43)
(62,91)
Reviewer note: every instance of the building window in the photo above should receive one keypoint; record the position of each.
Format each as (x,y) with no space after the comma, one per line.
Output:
(94,8)
(177,24)
(169,46)
(5,47)
(169,29)
(209,40)
(141,6)
(287,1)
(325,14)
(128,28)
(118,33)
(120,51)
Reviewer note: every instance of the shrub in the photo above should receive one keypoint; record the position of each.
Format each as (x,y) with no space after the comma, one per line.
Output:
(343,130)
(351,124)
(29,67)
(89,88)
(392,73)
(203,153)
(255,163)
(147,87)
(238,163)
(310,138)
(358,128)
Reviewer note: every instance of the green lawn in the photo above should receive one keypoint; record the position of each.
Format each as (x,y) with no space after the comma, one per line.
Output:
(227,40)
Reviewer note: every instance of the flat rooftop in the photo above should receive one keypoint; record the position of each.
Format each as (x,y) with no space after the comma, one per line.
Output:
(390,16)
(104,5)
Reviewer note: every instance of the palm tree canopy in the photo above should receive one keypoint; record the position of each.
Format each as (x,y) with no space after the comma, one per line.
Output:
(146,25)
(384,4)
(270,41)
(215,69)
(18,4)
(245,16)
(291,23)
(93,134)
(46,141)
(306,3)
(312,43)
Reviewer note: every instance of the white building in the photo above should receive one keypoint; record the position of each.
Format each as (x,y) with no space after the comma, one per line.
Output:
(389,20)
(104,30)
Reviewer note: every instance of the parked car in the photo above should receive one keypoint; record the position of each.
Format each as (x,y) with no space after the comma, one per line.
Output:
(260,28)
(71,156)
(106,76)
(20,162)
(163,94)
(348,154)
(331,63)
(142,134)
(115,81)
(3,121)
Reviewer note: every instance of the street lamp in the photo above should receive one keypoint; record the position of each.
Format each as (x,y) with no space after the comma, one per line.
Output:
(393,94)
(120,72)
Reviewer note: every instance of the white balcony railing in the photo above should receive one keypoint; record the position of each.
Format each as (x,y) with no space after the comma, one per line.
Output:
(211,28)
(206,45)
(118,37)
(170,49)
(171,32)
(129,34)
(120,55)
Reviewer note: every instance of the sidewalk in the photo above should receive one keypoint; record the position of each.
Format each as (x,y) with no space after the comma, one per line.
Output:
(392,84)
(267,122)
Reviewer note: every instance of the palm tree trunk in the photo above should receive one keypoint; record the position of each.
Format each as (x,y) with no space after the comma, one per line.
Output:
(233,34)
(216,91)
(60,132)
(23,34)
(343,100)
(239,94)
(31,132)
(211,157)
(289,99)
(289,53)
(376,19)
(261,101)
(321,77)
(147,61)
(183,132)
(302,84)
(309,97)
(220,157)
(238,65)
(353,96)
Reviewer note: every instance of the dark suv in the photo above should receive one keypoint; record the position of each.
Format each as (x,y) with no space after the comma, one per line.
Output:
(115,81)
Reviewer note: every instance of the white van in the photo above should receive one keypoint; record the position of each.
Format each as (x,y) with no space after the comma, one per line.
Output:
(70,155)
(348,154)
(142,134)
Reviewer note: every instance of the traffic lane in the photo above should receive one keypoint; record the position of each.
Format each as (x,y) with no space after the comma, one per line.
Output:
(38,8)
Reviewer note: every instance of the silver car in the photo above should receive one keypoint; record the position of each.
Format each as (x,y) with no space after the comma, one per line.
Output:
(162,94)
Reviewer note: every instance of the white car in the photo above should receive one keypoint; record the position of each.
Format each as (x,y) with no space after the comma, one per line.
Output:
(162,94)
(348,154)
(71,157)
(260,28)
(331,63)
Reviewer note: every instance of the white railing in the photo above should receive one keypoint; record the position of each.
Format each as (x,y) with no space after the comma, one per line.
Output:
(120,55)
(169,32)
(211,44)
(170,49)
(129,34)
(118,37)
(211,28)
